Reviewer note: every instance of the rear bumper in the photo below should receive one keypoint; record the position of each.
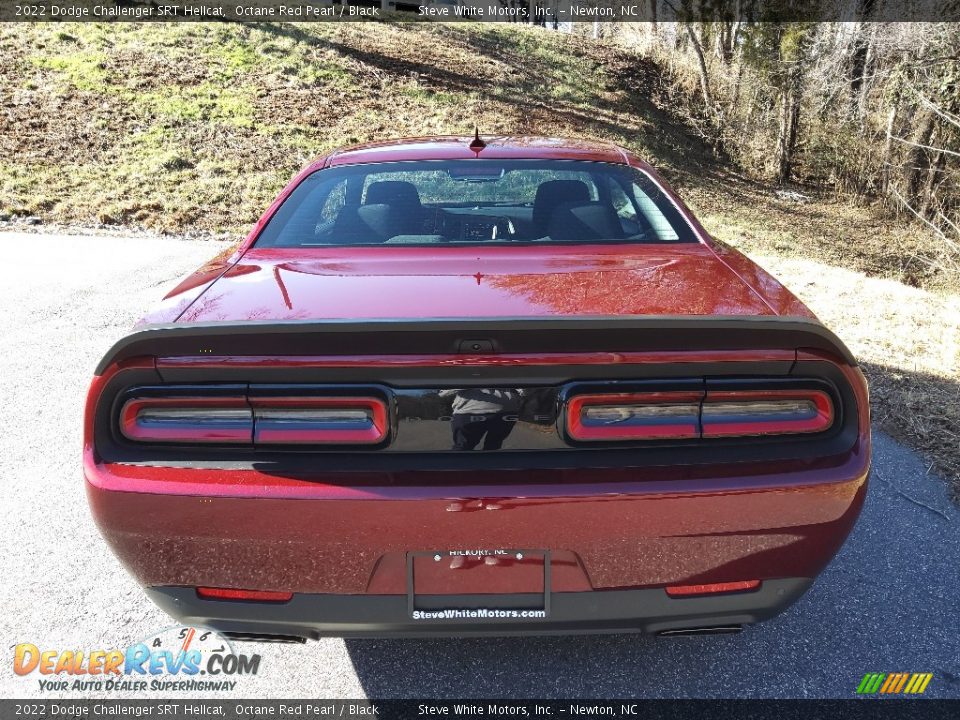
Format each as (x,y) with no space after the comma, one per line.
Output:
(613,547)
(314,616)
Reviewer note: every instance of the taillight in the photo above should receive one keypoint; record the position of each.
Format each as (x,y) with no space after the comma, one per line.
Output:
(187,420)
(634,416)
(209,593)
(258,420)
(762,412)
(689,414)
(319,420)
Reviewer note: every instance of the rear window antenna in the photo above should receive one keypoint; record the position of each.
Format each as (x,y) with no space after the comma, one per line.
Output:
(477,144)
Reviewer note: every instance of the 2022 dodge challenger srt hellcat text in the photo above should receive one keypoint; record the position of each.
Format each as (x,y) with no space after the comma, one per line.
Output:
(455,387)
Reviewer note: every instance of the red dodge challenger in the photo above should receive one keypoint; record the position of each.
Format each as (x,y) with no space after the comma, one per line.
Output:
(477,386)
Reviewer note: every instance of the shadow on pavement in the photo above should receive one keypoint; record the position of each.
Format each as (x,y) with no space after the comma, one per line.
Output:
(887,603)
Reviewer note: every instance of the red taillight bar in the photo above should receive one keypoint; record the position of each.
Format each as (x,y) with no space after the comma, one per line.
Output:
(187,419)
(765,412)
(687,414)
(209,593)
(634,416)
(319,420)
(263,420)
(712,588)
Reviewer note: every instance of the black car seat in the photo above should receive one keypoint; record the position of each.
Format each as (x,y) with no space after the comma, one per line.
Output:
(575,221)
(550,195)
(393,192)
(366,224)
(391,208)
(404,201)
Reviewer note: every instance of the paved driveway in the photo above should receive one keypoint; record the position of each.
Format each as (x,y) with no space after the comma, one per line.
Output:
(889,602)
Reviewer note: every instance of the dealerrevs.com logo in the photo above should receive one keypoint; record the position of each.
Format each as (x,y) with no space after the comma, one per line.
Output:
(176,659)
(894,683)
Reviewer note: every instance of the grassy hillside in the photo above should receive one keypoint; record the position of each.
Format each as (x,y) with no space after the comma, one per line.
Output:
(195,127)
(198,126)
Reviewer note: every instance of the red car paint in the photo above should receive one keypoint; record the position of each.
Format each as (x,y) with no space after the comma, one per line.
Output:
(349,533)
(296,284)
(702,279)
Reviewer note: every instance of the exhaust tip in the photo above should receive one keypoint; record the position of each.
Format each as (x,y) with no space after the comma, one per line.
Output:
(264,637)
(717,630)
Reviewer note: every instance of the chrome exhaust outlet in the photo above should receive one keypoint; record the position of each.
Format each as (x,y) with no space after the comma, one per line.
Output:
(718,630)
(264,637)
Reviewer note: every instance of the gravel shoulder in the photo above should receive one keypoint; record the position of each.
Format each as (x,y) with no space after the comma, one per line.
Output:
(887,603)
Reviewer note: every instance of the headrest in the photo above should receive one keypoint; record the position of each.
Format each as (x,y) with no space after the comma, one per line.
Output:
(552,193)
(392,192)
(366,224)
(584,221)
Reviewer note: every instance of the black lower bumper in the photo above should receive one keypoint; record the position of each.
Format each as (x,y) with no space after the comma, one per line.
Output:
(606,611)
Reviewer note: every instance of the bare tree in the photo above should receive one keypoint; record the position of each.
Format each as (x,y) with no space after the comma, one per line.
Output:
(702,64)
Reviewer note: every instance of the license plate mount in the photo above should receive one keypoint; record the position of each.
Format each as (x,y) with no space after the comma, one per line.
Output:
(502,580)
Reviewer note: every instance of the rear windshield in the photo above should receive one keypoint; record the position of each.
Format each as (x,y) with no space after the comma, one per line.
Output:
(476,202)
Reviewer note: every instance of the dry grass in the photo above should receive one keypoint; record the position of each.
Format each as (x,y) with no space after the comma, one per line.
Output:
(908,342)
(756,219)
(195,127)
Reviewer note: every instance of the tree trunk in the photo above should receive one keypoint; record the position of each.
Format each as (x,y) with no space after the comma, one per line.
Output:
(869,66)
(886,175)
(915,161)
(736,87)
(734,32)
(858,66)
(702,64)
(928,202)
(723,47)
(789,122)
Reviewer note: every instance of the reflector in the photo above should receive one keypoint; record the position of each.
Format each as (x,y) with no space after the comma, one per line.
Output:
(686,590)
(209,593)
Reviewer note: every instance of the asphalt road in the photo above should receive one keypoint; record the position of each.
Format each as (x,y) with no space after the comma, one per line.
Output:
(889,602)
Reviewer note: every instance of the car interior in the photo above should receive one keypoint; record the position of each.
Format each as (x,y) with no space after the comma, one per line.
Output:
(556,207)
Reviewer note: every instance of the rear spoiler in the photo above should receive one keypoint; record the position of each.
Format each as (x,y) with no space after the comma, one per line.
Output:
(442,336)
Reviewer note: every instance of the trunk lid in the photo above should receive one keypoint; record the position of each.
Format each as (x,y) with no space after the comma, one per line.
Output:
(458,282)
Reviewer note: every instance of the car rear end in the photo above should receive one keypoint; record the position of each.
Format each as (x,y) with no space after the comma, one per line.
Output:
(298,479)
